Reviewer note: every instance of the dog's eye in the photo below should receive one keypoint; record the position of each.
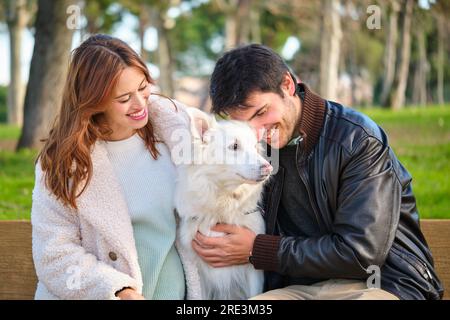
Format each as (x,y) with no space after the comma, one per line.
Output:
(234,146)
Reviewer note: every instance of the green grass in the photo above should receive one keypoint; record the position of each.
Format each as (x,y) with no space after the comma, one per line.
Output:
(16,183)
(9,132)
(16,176)
(420,137)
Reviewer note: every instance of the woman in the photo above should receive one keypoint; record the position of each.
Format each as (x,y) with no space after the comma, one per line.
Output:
(102,213)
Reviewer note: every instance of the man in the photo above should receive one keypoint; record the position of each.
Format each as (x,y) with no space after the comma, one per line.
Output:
(340,206)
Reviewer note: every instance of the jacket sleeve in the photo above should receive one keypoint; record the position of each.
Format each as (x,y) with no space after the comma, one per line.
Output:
(367,214)
(65,268)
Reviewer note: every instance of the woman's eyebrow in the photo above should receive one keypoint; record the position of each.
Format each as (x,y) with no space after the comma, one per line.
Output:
(122,95)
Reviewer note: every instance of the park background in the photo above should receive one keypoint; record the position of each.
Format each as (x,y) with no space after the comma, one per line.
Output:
(388,59)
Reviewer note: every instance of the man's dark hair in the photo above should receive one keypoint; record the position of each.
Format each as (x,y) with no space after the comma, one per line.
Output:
(243,70)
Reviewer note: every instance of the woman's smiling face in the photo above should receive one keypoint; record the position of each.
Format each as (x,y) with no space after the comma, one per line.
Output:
(127,110)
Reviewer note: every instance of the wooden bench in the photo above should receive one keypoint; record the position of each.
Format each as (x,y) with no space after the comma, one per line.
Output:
(18,278)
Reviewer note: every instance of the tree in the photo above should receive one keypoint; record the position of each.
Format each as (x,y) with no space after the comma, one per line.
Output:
(399,92)
(440,58)
(144,24)
(441,11)
(154,13)
(17,14)
(420,57)
(390,53)
(142,10)
(49,64)
(99,16)
(165,54)
(238,14)
(330,48)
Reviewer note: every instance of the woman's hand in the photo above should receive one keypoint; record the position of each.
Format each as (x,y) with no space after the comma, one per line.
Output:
(129,294)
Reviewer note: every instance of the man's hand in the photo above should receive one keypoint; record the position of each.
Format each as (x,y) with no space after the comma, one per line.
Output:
(129,294)
(231,249)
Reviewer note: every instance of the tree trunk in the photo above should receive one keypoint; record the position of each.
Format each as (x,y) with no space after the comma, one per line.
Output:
(237,21)
(420,76)
(440,58)
(390,53)
(398,95)
(330,49)
(53,41)
(165,58)
(255,25)
(230,31)
(243,21)
(144,23)
(17,17)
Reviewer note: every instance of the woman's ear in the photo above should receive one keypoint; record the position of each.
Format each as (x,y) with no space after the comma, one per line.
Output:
(200,123)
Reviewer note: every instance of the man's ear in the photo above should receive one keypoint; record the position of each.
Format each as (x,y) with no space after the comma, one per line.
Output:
(288,86)
(200,122)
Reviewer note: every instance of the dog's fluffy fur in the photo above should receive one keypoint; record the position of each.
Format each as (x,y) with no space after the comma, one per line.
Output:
(224,187)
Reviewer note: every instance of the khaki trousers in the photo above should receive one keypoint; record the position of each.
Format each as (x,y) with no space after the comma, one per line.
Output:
(334,289)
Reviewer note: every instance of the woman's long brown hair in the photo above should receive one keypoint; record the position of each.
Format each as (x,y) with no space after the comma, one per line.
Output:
(94,71)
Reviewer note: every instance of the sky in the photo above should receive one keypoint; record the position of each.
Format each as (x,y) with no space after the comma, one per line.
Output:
(27,43)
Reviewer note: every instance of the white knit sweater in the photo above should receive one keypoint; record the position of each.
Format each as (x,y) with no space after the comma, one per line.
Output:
(148,186)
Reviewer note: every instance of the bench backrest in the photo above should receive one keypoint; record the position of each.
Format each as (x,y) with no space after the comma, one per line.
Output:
(437,234)
(18,278)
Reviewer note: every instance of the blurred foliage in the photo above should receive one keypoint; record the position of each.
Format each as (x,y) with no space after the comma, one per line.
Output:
(101,15)
(198,28)
(197,34)
(193,37)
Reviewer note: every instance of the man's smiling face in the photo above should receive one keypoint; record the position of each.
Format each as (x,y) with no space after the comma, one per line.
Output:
(273,117)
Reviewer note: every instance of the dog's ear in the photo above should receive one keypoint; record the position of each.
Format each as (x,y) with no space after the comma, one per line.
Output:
(200,122)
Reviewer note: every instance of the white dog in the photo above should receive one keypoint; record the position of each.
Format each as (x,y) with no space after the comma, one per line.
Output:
(222,185)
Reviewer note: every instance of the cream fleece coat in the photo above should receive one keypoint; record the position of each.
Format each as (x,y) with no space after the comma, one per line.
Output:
(90,253)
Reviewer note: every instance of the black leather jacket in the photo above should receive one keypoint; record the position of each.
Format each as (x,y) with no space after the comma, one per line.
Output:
(362,199)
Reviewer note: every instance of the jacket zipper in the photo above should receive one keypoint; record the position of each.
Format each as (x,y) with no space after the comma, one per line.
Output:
(417,263)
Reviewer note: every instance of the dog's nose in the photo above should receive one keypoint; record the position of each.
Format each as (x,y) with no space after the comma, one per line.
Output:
(266,169)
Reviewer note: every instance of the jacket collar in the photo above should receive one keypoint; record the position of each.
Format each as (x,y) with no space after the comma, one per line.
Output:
(311,118)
